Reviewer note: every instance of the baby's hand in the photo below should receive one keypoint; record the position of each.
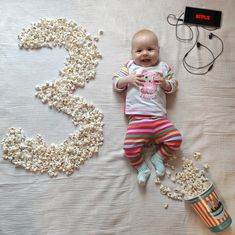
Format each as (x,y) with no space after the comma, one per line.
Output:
(159,80)
(136,79)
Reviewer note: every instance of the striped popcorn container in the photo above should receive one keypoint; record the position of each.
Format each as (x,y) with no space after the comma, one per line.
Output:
(209,207)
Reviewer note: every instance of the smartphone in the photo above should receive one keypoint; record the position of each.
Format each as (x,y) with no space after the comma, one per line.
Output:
(202,17)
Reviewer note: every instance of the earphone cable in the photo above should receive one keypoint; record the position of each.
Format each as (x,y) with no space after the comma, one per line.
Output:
(186,65)
(198,45)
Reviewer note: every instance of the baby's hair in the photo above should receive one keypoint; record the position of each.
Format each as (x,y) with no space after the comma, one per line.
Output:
(144,32)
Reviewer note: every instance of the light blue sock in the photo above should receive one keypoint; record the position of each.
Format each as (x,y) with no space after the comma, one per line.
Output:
(143,174)
(158,164)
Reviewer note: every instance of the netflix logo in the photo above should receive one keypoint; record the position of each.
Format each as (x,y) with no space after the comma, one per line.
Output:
(203,17)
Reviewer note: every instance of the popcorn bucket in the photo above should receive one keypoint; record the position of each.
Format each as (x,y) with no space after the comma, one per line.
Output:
(209,207)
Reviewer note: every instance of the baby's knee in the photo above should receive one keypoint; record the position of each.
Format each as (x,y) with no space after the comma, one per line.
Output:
(132,151)
(178,141)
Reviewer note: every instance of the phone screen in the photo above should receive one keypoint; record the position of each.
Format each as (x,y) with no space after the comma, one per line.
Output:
(205,17)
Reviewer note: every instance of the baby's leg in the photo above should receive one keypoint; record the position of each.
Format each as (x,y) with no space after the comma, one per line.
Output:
(136,138)
(169,139)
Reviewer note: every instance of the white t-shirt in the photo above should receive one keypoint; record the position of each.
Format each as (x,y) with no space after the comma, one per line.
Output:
(149,99)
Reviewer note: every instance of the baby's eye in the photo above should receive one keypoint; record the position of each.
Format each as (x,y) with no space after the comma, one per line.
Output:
(138,51)
(150,49)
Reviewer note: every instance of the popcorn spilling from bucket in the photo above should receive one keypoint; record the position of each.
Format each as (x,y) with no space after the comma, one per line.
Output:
(199,192)
(191,179)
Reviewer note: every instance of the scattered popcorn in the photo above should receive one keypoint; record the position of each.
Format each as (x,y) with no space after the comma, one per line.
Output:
(157,180)
(172,167)
(80,67)
(168,173)
(191,179)
(164,189)
(166,206)
(96,39)
(206,166)
(197,155)
(101,32)
(167,165)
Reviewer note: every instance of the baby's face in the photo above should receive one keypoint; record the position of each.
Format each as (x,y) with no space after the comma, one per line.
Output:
(145,50)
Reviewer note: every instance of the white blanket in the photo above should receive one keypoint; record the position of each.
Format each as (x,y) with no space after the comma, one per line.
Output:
(103,197)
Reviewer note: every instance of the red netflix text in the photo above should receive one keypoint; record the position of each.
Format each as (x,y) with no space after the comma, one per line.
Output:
(202,17)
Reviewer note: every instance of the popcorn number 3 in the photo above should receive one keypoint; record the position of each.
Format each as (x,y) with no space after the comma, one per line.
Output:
(33,154)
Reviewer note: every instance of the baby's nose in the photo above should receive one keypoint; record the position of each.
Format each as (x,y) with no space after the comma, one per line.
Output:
(145,52)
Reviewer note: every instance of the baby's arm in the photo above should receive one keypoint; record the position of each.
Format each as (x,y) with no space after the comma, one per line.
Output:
(133,79)
(164,84)
(122,79)
(171,84)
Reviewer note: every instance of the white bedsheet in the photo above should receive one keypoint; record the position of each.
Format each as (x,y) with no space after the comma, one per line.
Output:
(103,197)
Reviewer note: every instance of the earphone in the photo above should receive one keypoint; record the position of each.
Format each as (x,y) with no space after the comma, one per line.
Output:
(196,70)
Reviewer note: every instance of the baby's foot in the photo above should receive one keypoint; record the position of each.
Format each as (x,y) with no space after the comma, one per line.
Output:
(158,164)
(143,174)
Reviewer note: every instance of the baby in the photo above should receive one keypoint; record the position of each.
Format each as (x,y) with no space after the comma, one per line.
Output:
(146,81)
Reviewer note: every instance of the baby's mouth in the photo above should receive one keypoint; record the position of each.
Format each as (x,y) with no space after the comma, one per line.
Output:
(146,60)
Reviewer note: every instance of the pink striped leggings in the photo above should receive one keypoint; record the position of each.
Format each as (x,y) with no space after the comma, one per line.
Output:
(143,130)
